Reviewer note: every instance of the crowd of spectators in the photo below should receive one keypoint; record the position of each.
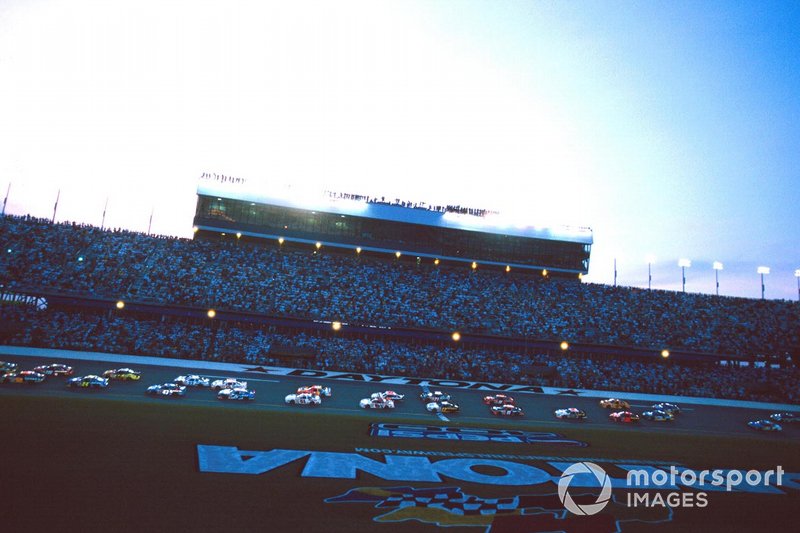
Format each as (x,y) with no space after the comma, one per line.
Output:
(316,284)
(171,337)
(474,211)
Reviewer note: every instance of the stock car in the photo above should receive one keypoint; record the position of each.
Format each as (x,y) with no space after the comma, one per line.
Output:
(88,382)
(657,415)
(785,417)
(166,390)
(303,398)
(498,399)
(376,402)
(388,395)
(24,376)
(228,383)
(236,394)
(506,410)
(54,369)
(764,425)
(7,367)
(192,380)
(442,406)
(317,390)
(624,417)
(435,396)
(123,374)
(667,408)
(571,413)
(614,403)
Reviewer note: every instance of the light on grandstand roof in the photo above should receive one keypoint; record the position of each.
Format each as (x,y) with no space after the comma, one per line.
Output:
(280,240)
(717,267)
(564,345)
(456,336)
(762,270)
(120,304)
(684,264)
(336,326)
(211,313)
(474,265)
(80,258)
(436,261)
(797,275)
(238,235)
(580,275)
(664,353)
(544,272)
(318,245)
(397,254)
(195,229)
(508,268)
(358,250)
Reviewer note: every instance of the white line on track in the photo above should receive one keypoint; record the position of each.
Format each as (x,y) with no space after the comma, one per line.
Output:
(650,406)
(247,378)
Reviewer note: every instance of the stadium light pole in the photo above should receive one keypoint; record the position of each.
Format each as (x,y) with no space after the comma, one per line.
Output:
(650,260)
(717,267)
(684,264)
(615,271)
(5,200)
(55,207)
(797,275)
(762,270)
(103,220)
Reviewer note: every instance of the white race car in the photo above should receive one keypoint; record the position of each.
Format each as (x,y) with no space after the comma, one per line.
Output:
(228,383)
(572,413)
(388,395)
(435,396)
(304,398)
(166,390)
(318,390)
(192,380)
(376,402)
(236,394)
(442,406)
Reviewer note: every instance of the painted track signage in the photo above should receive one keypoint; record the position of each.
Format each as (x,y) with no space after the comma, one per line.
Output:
(413,431)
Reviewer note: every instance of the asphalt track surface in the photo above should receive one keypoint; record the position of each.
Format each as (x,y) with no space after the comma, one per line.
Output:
(271,391)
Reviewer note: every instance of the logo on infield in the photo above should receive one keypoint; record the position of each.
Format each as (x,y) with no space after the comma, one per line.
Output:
(584,508)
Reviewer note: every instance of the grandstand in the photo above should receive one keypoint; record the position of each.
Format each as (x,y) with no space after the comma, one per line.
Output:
(277,305)
(473,236)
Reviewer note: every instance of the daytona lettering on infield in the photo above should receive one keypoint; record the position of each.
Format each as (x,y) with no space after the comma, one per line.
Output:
(417,468)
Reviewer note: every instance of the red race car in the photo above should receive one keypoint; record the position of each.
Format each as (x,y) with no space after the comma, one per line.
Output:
(624,417)
(498,399)
(24,376)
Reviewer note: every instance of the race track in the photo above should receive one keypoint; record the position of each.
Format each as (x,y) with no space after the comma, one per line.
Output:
(271,390)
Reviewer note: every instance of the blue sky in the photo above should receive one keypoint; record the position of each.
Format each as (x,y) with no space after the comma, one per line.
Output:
(671,128)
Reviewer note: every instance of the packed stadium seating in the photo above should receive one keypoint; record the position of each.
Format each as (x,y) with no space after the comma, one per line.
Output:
(272,280)
(102,331)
